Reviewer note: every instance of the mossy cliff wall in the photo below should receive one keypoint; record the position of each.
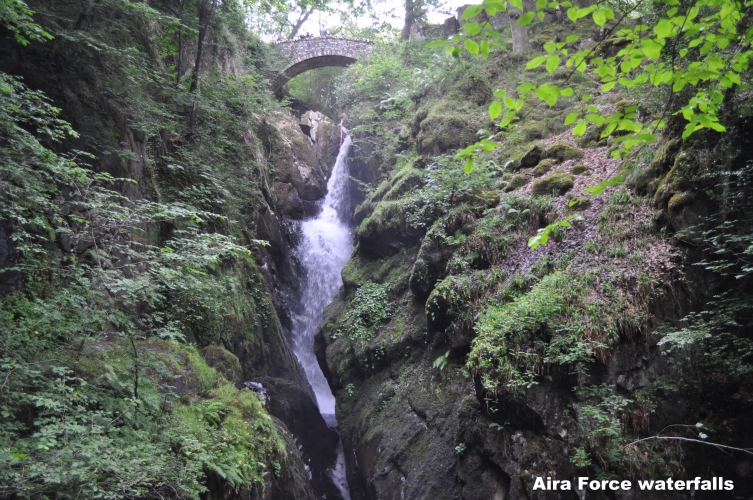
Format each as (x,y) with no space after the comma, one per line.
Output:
(248,162)
(495,364)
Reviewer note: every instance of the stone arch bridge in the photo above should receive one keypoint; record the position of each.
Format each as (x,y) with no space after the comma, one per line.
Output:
(311,53)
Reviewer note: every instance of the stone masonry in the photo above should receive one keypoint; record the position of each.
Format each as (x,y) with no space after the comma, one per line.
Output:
(319,52)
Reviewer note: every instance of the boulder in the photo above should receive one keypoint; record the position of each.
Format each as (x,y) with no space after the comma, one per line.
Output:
(531,157)
(515,182)
(543,167)
(558,182)
(224,362)
(563,151)
(579,169)
(295,407)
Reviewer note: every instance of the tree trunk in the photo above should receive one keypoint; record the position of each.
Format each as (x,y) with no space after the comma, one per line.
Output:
(519,33)
(207,9)
(410,18)
(179,61)
(301,19)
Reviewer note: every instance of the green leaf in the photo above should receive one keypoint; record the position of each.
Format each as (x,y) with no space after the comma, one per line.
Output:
(548,93)
(471,11)
(495,109)
(541,4)
(651,48)
(552,63)
(526,87)
(536,62)
(471,46)
(469,166)
(664,28)
(438,43)
(600,17)
(580,128)
(599,188)
(472,29)
(526,18)
(734,77)
(571,39)
(571,118)
(484,49)
(518,4)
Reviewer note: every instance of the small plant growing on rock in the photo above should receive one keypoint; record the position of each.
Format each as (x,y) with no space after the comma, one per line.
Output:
(370,308)
(441,361)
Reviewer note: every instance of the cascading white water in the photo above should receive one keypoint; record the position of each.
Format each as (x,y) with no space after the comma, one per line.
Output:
(323,251)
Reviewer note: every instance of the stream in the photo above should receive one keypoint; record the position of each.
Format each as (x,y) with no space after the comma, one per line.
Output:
(325,246)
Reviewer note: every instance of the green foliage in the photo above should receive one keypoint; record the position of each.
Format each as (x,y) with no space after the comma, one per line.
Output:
(369,308)
(114,273)
(566,319)
(446,183)
(441,361)
(17,17)
(704,44)
(62,433)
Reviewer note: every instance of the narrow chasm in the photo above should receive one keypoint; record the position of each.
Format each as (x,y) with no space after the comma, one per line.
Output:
(323,249)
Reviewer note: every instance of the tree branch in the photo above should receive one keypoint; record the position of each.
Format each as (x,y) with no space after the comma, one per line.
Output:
(677,438)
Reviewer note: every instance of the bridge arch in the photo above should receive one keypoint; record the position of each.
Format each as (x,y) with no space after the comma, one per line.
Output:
(312,53)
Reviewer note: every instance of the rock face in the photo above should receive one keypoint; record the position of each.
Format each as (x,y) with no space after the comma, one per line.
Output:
(302,155)
(416,424)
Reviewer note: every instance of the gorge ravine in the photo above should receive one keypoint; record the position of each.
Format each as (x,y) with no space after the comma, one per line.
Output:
(324,249)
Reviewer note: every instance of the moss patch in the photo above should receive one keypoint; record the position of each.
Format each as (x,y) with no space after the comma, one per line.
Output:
(531,157)
(558,181)
(543,167)
(579,169)
(224,362)
(516,181)
(679,200)
(563,151)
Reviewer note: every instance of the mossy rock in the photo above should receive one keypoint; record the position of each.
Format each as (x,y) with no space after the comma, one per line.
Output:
(579,169)
(645,181)
(531,157)
(558,181)
(516,181)
(563,151)
(476,88)
(543,167)
(533,131)
(679,200)
(224,362)
(622,106)
(386,231)
(402,181)
(447,125)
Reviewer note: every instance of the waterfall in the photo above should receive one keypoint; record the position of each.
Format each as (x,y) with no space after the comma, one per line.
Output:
(325,246)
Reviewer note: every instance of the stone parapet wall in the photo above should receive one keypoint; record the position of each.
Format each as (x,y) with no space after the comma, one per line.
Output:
(318,52)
